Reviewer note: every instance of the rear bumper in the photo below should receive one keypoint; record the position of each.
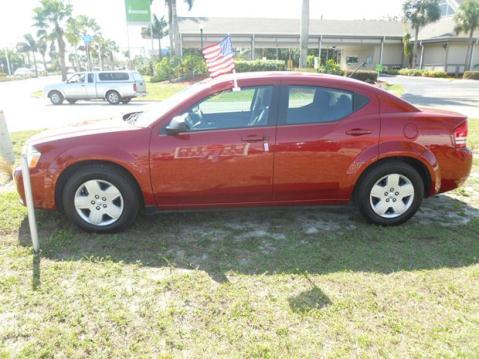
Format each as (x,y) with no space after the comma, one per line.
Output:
(455,167)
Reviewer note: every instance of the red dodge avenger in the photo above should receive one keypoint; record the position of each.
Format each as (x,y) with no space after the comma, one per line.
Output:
(283,139)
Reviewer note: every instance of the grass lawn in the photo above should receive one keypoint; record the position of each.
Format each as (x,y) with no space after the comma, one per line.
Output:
(245,283)
(395,89)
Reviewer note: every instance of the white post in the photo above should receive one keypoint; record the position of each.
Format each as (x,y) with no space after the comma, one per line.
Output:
(422,56)
(27,186)
(381,55)
(9,70)
(6,149)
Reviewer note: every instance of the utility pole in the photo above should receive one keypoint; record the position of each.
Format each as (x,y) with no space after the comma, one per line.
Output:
(9,70)
(304,24)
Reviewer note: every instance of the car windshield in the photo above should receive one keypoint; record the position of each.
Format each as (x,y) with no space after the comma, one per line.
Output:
(146,118)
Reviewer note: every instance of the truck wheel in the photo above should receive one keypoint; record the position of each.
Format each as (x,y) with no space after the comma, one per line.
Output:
(56,97)
(113,97)
(71,102)
(125,100)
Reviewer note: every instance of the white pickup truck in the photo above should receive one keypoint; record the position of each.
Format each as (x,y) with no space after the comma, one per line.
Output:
(113,86)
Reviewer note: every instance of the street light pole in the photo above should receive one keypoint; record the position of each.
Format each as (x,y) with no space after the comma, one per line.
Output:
(201,36)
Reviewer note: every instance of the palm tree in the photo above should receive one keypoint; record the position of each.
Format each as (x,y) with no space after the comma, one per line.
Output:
(159,31)
(304,34)
(76,27)
(42,47)
(174,30)
(51,17)
(27,46)
(467,20)
(419,13)
(105,49)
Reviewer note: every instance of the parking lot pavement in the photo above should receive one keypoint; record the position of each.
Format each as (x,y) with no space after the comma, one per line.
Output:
(25,112)
(455,95)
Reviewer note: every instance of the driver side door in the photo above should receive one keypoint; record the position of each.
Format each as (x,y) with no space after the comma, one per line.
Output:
(75,87)
(224,158)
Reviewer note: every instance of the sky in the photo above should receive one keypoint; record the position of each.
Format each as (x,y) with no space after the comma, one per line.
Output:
(16,18)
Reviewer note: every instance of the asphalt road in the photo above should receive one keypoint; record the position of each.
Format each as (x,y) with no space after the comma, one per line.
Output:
(24,112)
(455,95)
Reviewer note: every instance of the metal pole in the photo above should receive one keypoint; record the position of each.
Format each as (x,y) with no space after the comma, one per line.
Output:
(422,56)
(252,46)
(201,38)
(320,48)
(382,50)
(27,186)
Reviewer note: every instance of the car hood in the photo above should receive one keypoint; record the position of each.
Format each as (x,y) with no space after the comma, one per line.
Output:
(85,128)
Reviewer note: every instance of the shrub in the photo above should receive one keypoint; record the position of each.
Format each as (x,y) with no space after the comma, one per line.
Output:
(175,68)
(331,67)
(310,61)
(260,65)
(146,69)
(368,76)
(423,73)
(471,75)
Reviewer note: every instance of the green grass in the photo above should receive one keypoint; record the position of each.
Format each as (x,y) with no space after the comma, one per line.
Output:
(160,90)
(256,283)
(37,94)
(395,89)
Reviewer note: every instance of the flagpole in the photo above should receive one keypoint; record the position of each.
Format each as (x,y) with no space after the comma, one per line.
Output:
(235,79)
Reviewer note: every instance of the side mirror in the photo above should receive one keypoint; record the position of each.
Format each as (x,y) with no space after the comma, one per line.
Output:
(177,125)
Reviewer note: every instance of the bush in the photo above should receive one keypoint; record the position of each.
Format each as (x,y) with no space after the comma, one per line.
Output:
(146,69)
(331,67)
(368,76)
(260,65)
(175,68)
(471,75)
(423,73)
(310,61)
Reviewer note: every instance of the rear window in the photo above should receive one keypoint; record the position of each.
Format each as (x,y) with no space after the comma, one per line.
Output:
(113,76)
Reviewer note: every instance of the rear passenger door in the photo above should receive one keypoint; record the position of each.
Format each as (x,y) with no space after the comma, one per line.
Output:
(322,130)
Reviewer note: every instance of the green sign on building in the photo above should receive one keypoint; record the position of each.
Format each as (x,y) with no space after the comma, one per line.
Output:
(137,11)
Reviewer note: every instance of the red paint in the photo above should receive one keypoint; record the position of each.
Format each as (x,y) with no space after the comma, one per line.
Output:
(304,164)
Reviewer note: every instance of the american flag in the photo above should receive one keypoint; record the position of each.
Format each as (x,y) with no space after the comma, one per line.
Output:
(219,57)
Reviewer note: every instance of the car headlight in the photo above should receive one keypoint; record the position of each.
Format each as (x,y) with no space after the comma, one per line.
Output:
(32,154)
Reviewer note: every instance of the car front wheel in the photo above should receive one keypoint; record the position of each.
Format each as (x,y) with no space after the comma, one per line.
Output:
(101,198)
(56,98)
(390,193)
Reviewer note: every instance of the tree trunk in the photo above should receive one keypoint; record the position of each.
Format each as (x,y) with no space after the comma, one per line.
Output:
(304,34)
(61,51)
(77,59)
(44,63)
(175,28)
(467,63)
(414,49)
(6,148)
(35,63)
(170,26)
(159,48)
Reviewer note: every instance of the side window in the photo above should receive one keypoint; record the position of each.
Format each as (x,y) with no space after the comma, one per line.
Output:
(90,78)
(77,78)
(310,104)
(113,76)
(249,107)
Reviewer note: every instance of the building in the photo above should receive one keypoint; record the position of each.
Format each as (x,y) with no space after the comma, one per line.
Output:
(350,42)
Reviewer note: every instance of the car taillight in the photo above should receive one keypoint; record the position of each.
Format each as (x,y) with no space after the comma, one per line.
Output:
(134,87)
(460,135)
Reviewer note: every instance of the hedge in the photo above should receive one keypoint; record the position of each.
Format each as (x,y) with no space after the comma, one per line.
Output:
(260,65)
(423,73)
(368,76)
(471,75)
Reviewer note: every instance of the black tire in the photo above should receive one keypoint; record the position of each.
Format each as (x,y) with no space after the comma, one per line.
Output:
(125,100)
(364,202)
(117,177)
(71,102)
(56,97)
(113,97)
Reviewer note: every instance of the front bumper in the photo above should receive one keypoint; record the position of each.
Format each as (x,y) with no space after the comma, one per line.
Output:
(42,188)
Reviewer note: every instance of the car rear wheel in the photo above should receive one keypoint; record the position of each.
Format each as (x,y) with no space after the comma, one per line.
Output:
(113,97)
(56,98)
(101,198)
(390,193)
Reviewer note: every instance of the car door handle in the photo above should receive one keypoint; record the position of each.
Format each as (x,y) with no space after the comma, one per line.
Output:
(358,132)
(254,139)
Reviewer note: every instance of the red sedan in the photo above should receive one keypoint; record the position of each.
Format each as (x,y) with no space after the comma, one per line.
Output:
(284,139)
